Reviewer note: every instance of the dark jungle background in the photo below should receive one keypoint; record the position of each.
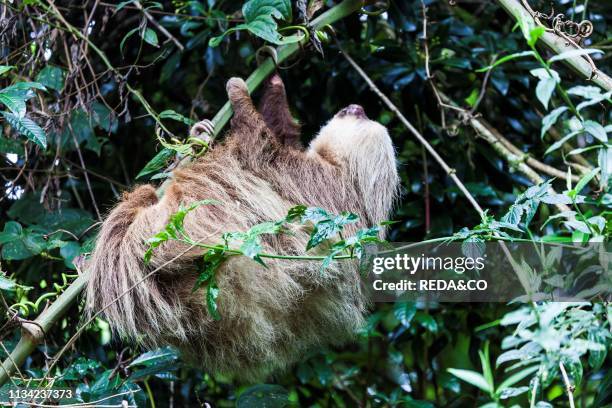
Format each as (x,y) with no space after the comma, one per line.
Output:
(76,132)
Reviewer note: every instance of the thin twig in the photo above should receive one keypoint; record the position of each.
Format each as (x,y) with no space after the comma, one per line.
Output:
(568,385)
(483,88)
(91,193)
(429,77)
(161,28)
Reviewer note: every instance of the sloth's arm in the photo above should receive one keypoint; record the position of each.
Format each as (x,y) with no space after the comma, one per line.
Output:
(275,111)
(246,123)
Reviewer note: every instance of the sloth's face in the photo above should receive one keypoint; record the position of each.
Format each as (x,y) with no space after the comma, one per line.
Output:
(350,136)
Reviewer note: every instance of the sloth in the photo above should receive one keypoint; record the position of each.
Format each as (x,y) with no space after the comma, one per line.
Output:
(271,316)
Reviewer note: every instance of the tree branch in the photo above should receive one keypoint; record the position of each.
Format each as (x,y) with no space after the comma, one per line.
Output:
(560,45)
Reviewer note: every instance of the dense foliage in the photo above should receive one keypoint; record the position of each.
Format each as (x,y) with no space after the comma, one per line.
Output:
(97,97)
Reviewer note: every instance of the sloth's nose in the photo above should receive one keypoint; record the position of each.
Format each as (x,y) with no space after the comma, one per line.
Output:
(353,110)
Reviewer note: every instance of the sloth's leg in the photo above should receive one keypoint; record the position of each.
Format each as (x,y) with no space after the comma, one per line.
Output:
(275,110)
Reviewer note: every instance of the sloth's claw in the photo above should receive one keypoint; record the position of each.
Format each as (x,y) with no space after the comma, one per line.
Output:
(204,130)
(236,89)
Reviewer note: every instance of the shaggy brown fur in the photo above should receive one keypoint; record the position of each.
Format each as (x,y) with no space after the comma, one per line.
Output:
(270,316)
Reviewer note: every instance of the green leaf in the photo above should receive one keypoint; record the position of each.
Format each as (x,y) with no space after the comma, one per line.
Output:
(263,395)
(170,114)
(534,35)
(209,264)
(560,142)
(158,162)
(604,159)
(471,377)
(212,293)
(596,130)
(6,283)
(471,99)
(573,366)
(296,212)
(123,4)
(585,91)
(404,312)
(426,321)
(546,86)
(150,37)
(328,228)
(515,378)
(260,18)
(103,117)
(69,251)
(157,356)
(15,102)
(549,120)
(474,247)
(27,128)
(25,86)
(585,180)
(573,54)
(10,145)
(513,392)
(52,77)
(5,68)
(506,59)
(251,247)
(597,357)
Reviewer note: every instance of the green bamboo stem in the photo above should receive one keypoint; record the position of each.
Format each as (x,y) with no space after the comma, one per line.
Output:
(559,45)
(33,333)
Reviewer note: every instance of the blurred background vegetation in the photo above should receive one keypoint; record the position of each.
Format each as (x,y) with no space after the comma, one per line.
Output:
(77,130)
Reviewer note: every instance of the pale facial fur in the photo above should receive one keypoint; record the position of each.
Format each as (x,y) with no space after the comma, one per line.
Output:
(271,317)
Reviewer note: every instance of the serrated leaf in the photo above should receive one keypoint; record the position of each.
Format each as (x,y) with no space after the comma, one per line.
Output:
(14,102)
(296,212)
(260,18)
(26,127)
(212,293)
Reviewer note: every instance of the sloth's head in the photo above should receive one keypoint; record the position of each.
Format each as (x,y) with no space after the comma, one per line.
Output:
(350,136)
(363,148)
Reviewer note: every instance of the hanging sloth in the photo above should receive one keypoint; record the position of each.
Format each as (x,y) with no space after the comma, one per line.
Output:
(270,316)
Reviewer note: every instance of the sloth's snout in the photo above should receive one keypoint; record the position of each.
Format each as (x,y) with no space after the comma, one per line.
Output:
(353,110)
